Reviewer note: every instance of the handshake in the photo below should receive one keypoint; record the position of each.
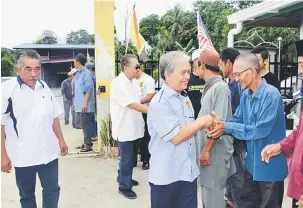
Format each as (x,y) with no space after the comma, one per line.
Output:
(213,124)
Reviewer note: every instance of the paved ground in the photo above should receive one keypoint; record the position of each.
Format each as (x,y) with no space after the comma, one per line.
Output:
(86,181)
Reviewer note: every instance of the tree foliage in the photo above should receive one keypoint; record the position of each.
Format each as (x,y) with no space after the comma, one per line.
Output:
(47,37)
(79,37)
(148,29)
(7,62)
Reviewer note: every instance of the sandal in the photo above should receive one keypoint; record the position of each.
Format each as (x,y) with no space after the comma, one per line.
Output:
(80,146)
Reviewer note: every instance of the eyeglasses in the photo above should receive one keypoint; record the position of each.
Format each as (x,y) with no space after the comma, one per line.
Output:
(237,74)
(137,67)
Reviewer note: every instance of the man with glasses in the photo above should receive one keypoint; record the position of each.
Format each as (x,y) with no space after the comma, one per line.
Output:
(259,120)
(30,132)
(127,122)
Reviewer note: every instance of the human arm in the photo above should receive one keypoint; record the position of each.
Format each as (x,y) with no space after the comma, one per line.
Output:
(88,89)
(266,118)
(63,88)
(6,164)
(150,90)
(166,123)
(58,132)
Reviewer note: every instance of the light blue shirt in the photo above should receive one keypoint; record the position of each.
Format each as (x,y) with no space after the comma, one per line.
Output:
(260,121)
(168,112)
(84,83)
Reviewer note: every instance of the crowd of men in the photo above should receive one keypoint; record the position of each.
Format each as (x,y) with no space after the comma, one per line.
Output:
(227,136)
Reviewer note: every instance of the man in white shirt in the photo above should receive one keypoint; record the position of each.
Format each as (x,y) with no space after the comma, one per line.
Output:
(29,127)
(127,122)
(145,86)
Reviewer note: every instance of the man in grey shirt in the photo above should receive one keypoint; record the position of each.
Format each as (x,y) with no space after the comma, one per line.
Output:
(216,162)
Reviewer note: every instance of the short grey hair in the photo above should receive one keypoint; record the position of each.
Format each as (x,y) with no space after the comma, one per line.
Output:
(27,53)
(126,59)
(167,61)
(249,60)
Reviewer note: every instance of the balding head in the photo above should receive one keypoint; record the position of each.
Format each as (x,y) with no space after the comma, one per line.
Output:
(248,60)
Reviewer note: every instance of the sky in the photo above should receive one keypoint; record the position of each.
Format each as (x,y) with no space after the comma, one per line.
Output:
(22,21)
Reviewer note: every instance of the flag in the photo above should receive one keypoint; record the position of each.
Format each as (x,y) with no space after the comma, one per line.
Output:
(135,35)
(203,37)
(87,56)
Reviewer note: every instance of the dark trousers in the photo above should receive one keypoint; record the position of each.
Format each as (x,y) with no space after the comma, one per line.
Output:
(26,182)
(94,124)
(145,155)
(87,128)
(294,201)
(67,108)
(128,151)
(257,194)
(179,194)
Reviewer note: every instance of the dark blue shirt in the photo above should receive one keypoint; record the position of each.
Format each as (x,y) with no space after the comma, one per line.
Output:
(236,93)
(260,120)
(66,89)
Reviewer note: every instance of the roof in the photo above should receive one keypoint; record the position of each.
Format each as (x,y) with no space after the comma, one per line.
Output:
(52,46)
(270,13)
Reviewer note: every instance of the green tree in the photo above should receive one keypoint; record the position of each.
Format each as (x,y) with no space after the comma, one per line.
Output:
(47,37)
(174,20)
(188,49)
(7,62)
(148,29)
(79,37)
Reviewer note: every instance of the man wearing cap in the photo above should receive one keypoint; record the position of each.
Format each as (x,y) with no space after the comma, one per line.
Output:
(66,90)
(292,147)
(195,84)
(84,101)
(216,162)
(259,120)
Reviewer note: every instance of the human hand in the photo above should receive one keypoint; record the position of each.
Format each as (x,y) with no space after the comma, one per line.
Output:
(217,130)
(205,158)
(270,151)
(216,120)
(6,163)
(300,202)
(84,107)
(63,147)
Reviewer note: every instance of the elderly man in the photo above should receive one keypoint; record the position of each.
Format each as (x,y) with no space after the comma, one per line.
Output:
(84,101)
(173,170)
(195,84)
(292,147)
(127,122)
(234,183)
(29,127)
(216,161)
(262,53)
(259,120)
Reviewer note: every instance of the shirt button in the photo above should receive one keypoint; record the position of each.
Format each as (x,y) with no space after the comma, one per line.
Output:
(189,143)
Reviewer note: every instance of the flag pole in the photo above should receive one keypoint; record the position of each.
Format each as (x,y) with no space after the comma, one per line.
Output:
(198,28)
(126,27)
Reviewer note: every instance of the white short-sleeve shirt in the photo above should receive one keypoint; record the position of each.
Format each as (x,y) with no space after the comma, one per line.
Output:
(28,117)
(144,86)
(127,124)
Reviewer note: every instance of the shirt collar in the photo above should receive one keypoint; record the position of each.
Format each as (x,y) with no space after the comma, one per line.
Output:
(170,92)
(20,82)
(81,69)
(208,81)
(122,75)
(260,89)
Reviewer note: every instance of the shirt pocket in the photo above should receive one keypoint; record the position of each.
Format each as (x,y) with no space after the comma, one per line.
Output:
(45,107)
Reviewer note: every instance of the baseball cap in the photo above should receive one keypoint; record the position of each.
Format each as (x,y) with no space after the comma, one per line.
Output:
(89,65)
(72,72)
(210,57)
(196,54)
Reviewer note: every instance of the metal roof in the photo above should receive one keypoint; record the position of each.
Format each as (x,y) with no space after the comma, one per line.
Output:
(265,10)
(52,46)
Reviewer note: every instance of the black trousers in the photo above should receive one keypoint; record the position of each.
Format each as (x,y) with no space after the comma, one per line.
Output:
(294,201)
(256,194)
(145,155)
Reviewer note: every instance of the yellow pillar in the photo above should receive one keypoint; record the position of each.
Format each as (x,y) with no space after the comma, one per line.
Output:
(104,56)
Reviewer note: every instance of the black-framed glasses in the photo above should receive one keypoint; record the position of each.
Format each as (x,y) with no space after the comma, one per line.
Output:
(237,74)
